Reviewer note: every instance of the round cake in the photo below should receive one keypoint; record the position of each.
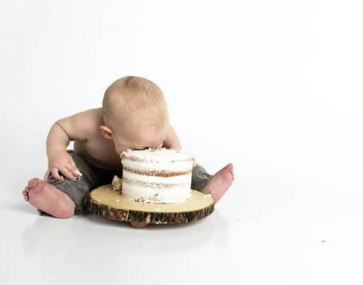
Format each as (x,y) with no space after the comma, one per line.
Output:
(157,175)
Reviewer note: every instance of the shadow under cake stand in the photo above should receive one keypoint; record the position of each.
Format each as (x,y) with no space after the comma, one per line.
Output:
(109,203)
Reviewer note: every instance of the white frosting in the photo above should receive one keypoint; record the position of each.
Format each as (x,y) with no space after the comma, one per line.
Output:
(79,174)
(158,165)
(161,154)
(148,188)
(157,179)
(154,195)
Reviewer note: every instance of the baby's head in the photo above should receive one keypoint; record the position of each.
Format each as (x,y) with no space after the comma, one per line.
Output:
(135,114)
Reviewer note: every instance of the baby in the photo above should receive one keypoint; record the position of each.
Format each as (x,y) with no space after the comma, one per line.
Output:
(133,116)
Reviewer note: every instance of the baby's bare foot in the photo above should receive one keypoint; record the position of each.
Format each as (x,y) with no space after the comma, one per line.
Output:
(49,199)
(26,193)
(220,182)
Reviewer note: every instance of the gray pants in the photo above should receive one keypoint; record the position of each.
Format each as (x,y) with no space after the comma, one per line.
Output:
(93,177)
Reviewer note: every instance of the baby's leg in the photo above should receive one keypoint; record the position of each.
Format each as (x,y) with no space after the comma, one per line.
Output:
(62,199)
(216,184)
(200,177)
(47,198)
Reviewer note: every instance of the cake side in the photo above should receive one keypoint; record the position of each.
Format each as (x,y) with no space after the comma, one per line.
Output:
(157,176)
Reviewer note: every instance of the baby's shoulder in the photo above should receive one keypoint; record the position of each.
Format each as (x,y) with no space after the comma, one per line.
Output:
(83,125)
(93,118)
(95,113)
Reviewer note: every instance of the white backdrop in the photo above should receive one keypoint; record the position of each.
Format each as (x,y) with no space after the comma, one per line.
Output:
(275,87)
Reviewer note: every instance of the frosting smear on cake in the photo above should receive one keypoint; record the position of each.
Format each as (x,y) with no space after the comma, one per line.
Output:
(157,175)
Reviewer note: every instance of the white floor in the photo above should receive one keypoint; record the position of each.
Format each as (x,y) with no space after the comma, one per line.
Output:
(289,226)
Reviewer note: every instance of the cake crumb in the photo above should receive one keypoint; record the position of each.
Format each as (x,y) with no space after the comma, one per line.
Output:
(116,183)
(142,200)
(79,174)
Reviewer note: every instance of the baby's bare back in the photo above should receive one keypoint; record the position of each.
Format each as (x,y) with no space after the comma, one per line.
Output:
(89,141)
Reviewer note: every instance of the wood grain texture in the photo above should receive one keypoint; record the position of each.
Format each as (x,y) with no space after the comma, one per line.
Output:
(110,204)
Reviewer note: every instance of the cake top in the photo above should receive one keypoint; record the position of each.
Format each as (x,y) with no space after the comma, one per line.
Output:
(157,155)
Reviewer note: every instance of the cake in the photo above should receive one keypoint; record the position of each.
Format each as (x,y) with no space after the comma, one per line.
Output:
(156,175)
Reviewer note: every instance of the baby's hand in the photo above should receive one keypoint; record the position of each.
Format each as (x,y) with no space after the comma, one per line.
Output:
(62,162)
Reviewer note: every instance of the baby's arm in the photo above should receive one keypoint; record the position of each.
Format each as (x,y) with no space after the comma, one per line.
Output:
(171,140)
(72,128)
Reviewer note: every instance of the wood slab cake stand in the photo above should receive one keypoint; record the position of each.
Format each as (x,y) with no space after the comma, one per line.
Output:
(109,203)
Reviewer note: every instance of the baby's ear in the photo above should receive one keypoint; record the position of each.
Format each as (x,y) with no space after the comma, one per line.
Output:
(106,132)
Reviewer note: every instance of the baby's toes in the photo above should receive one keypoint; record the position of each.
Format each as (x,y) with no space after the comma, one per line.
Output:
(26,195)
(33,182)
(26,190)
(38,188)
(226,173)
(35,186)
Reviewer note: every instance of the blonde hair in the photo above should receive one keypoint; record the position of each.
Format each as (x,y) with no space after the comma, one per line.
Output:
(133,96)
